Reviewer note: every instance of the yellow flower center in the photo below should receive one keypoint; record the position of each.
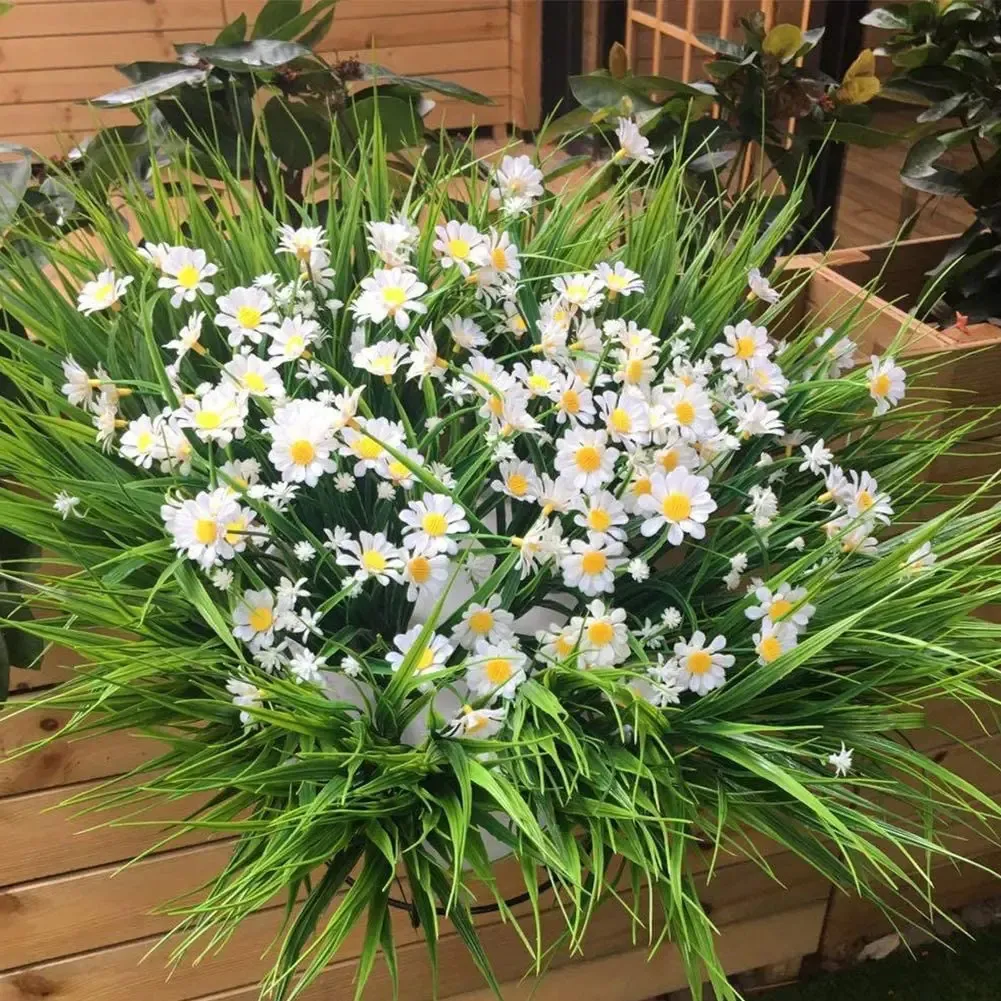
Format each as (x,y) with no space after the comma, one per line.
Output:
(144,441)
(235,531)
(668,460)
(394,296)
(458,249)
(518,324)
(481,621)
(397,470)
(206,531)
(588,459)
(498,670)
(208,420)
(248,316)
(593,562)
(538,383)
(864,500)
(570,401)
(744,348)
(779,609)
(188,276)
(426,660)
(600,633)
(366,448)
(599,519)
(254,381)
(419,568)
(260,619)
(495,404)
(301,452)
(475,721)
(517,484)
(104,291)
(576,291)
(699,661)
(684,412)
(634,370)
(769,648)
(498,258)
(642,486)
(564,647)
(620,421)
(294,344)
(880,386)
(434,523)
(676,506)
(373,561)
(616,282)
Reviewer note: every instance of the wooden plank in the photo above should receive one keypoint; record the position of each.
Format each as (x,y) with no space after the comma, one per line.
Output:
(63,761)
(95,17)
(364,34)
(351,10)
(67,52)
(70,118)
(99,907)
(525,60)
(57,85)
(39,840)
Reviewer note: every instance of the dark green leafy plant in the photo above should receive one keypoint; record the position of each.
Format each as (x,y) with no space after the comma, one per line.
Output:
(219,99)
(758,88)
(948,56)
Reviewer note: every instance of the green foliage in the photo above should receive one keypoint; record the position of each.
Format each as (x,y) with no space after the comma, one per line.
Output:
(947,57)
(585,770)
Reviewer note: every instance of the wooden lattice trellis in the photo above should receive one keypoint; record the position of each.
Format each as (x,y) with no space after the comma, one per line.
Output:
(661,35)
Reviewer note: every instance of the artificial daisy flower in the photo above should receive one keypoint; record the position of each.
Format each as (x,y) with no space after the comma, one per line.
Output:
(306,666)
(518,479)
(217,415)
(841,761)
(676,452)
(142,442)
(425,572)
(687,409)
(580,291)
(104,291)
(743,344)
(837,487)
(301,242)
(701,668)
(764,378)
(839,354)
(222,579)
(433,655)
(542,379)
(763,506)
(460,244)
(79,386)
(302,441)
(424,358)
(760,288)
(374,556)
(254,375)
(783,606)
(382,358)
(601,514)
(864,499)
(185,272)
(574,402)
(632,145)
(254,619)
(155,253)
(558,643)
(638,569)
(210,528)
(753,417)
(854,536)
(678,500)
(478,724)
(189,336)
(923,558)
(292,338)
(432,523)
(366,443)
(496,670)
(618,279)
(816,457)
(626,416)
(502,254)
(591,564)
(773,640)
(635,368)
(241,473)
(392,242)
(604,638)
(518,182)
(886,381)
(245,696)
(585,460)
(390,294)
(484,623)
(65,504)
(247,314)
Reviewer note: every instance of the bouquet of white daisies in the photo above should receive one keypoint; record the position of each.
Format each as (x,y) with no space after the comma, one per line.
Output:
(453,518)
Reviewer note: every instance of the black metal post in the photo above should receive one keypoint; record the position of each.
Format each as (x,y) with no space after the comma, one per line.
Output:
(562,52)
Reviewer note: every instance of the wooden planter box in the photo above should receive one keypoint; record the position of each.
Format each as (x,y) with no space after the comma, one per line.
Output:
(71,929)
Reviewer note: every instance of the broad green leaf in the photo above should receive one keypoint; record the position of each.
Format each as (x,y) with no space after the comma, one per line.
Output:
(892,17)
(153,87)
(252,57)
(299,133)
(372,71)
(783,42)
(273,15)
(234,32)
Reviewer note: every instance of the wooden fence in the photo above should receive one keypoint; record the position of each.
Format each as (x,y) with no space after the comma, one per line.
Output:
(54,54)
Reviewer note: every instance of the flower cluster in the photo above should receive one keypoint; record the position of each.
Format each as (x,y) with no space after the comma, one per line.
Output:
(480,451)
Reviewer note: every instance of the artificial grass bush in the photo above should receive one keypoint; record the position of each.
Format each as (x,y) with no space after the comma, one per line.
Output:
(446,517)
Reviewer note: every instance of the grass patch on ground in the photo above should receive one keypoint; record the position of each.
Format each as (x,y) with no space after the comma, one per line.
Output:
(969,971)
